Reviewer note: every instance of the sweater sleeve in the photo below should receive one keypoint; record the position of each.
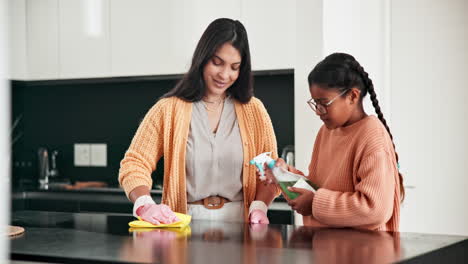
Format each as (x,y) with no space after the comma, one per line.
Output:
(268,132)
(371,204)
(144,152)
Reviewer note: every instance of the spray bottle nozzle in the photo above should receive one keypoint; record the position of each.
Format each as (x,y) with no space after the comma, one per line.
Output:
(271,164)
(261,159)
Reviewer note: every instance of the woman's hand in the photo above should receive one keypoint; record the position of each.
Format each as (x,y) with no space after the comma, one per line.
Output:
(157,214)
(258,212)
(258,217)
(270,178)
(281,163)
(303,203)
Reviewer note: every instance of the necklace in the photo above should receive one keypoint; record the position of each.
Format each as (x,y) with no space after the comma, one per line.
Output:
(216,104)
(213,102)
(212,109)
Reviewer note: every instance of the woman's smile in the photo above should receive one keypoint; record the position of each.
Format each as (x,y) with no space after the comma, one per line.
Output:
(219,84)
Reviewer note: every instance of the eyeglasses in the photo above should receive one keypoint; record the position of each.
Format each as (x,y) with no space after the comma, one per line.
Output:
(322,108)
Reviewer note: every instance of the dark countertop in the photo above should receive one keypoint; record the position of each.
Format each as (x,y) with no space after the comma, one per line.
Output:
(109,200)
(105,238)
(155,193)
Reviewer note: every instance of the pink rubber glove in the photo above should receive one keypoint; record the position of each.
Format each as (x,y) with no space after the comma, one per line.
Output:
(257,216)
(157,214)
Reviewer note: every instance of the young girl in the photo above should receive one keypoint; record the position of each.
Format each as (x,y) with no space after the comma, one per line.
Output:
(354,160)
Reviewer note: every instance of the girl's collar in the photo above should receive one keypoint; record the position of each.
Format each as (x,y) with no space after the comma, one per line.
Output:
(343,131)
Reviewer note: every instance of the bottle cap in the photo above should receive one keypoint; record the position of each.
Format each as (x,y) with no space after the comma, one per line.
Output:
(271,164)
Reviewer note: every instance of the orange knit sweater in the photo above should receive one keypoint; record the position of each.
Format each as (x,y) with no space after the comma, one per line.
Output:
(356,170)
(164,132)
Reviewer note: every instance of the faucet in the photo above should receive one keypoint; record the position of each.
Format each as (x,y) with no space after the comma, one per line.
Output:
(288,155)
(43,162)
(47,174)
(54,171)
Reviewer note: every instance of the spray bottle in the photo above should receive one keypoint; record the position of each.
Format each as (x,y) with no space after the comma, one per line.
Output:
(283,177)
(260,160)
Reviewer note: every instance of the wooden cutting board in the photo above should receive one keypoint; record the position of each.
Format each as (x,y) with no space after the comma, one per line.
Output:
(15,230)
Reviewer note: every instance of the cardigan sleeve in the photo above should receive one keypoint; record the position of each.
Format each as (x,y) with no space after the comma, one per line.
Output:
(371,204)
(144,152)
(269,144)
(268,135)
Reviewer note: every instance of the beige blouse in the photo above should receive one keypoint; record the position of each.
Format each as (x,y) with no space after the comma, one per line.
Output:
(214,160)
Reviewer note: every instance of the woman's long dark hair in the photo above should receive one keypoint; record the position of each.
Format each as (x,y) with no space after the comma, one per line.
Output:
(342,72)
(223,30)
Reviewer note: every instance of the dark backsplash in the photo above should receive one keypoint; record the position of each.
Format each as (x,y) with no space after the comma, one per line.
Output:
(59,113)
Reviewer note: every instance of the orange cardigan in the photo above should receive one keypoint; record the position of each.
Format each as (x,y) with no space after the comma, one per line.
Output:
(356,171)
(164,132)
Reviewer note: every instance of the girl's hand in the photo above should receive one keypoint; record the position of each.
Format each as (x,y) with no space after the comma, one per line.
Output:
(303,203)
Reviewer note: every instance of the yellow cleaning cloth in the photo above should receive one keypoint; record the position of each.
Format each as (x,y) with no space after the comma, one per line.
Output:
(179,231)
(184,221)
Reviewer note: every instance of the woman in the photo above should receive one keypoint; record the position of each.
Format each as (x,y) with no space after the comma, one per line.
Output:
(207,128)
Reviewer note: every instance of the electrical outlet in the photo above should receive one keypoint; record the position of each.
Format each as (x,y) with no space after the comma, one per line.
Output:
(99,155)
(82,154)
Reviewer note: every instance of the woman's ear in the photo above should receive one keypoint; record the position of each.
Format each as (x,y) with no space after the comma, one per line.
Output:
(354,95)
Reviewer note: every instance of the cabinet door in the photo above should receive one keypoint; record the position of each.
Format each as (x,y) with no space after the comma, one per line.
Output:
(143,37)
(42,39)
(17,40)
(84,38)
(159,37)
(271,26)
(194,18)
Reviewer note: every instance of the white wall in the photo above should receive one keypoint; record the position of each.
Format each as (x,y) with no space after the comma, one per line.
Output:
(4,133)
(359,28)
(429,51)
(308,53)
(416,52)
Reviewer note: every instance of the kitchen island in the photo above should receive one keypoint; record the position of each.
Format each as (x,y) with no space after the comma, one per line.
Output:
(63,237)
(109,200)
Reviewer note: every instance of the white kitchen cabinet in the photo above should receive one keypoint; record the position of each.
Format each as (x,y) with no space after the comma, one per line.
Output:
(66,39)
(271,26)
(17,39)
(142,37)
(42,39)
(33,39)
(159,37)
(195,18)
(84,41)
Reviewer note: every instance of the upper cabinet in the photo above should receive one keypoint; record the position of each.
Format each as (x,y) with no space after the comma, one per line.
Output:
(34,39)
(142,37)
(271,26)
(159,37)
(84,41)
(63,39)
(17,40)
(42,39)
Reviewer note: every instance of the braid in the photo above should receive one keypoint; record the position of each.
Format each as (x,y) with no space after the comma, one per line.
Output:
(373,96)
